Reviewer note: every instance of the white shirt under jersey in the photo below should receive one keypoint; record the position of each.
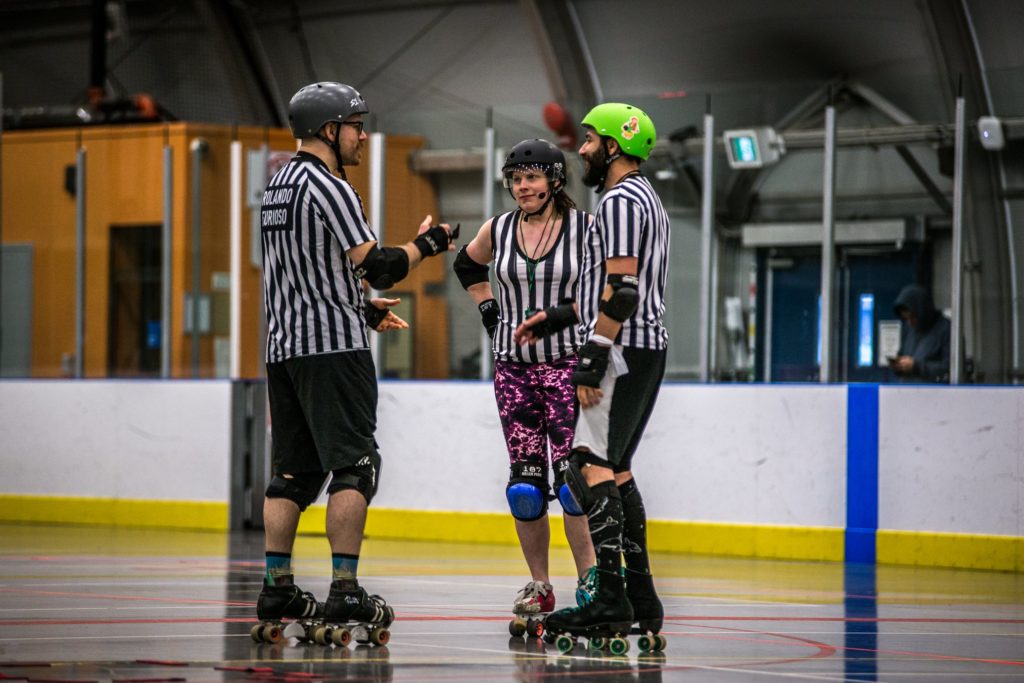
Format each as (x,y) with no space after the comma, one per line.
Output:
(629,221)
(313,300)
(555,279)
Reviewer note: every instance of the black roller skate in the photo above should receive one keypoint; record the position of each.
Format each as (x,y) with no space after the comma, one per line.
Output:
(648,613)
(282,609)
(535,601)
(352,614)
(605,620)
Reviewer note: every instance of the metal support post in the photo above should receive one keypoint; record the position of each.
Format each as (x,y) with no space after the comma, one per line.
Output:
(707,216)
(377,183)
(485,340)
(828,226)
(167,241)
(80,263)
(956,259)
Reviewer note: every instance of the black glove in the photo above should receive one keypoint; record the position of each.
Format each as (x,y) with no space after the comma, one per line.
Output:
(558,318)
(489,316)
(373,315)
(435,240)
(593,365)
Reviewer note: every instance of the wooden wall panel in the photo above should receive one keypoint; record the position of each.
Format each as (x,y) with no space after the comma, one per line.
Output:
(38,211)
(125,187)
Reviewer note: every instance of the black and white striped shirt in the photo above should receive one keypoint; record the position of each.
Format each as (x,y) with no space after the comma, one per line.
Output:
(555,278)
(629,221)
(313,299)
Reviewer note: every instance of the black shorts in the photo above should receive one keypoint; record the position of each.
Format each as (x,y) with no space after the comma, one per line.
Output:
(323,411)
(613,431)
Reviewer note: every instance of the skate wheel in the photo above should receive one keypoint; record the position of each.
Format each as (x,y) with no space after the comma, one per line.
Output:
(380,636)
(647,643)
(565,643)
(256,633)
(517,627)
(660,643)
(272,634)
(618,646)
(534,628)
(341,637)
(322,635)
(597,643)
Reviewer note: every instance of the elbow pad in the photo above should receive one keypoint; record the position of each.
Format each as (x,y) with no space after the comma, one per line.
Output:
(624,300)
(383,268)
(469,271)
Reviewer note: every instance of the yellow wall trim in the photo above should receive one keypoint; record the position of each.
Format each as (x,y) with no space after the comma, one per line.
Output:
(710,538)
(934,549)
(974,551)
(166,514)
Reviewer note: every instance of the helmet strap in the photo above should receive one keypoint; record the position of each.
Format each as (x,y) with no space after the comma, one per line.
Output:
(335,146)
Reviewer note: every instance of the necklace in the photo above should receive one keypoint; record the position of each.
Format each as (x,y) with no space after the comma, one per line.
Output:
(631,173)
(541,248)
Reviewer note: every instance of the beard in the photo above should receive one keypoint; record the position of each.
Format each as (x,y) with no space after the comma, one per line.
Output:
(595,167)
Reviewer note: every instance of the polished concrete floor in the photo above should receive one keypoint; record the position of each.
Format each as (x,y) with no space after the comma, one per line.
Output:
(89,604)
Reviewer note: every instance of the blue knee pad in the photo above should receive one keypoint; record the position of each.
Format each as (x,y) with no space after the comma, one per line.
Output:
(569,504)
(526,501)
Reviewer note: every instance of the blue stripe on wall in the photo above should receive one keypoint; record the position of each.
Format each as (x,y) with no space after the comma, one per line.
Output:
(861,472)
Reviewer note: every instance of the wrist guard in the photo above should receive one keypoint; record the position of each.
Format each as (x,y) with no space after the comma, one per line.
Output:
(435,241)
(558,318)
(489,316)
(373,315)
(593,365)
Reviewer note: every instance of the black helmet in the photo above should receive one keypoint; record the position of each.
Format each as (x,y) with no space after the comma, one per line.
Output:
(536,152)
(317,103)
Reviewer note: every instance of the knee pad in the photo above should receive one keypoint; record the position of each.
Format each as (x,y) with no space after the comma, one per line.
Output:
(568,503)
(527,491)
(363,477)
(301,488)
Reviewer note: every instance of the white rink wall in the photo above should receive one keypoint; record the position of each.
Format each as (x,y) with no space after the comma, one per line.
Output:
(951,459)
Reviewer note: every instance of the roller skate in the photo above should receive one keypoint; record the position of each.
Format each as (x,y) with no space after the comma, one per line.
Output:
(351,614)
(533,602)
(585,587)
(648,613)
(605,620)
(283,608)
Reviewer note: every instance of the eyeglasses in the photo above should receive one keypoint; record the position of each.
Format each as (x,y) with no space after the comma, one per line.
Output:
(360,126)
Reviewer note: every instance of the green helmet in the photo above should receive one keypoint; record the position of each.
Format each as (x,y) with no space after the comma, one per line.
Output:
(630,126)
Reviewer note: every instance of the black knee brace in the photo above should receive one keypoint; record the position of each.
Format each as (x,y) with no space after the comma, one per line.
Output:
(577,483)
(363,477)
(302,488)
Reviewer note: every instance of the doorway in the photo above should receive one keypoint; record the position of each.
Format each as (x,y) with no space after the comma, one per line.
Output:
(868,280)
(134,323)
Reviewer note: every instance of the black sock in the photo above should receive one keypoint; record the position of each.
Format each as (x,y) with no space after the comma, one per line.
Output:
(604,519)
(634,529)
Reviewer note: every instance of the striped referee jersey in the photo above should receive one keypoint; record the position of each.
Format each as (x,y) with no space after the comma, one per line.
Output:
(629,221)
(314,302)
(555,278)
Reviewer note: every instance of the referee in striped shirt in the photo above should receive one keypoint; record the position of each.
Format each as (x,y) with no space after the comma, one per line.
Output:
(318,250)
(620,304)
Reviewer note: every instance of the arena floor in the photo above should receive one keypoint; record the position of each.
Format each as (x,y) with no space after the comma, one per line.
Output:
(99,604)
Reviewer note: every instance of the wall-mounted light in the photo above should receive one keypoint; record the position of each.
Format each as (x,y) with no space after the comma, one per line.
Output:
(990,132)
(753,147)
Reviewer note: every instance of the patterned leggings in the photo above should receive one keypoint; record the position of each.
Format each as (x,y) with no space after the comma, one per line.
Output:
(537,406)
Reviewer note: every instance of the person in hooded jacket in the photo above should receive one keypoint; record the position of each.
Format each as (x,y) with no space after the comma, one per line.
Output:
(923,355)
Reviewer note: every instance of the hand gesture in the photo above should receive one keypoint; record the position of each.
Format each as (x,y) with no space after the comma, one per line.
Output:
(390,321)
(525,333)
(432,240)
